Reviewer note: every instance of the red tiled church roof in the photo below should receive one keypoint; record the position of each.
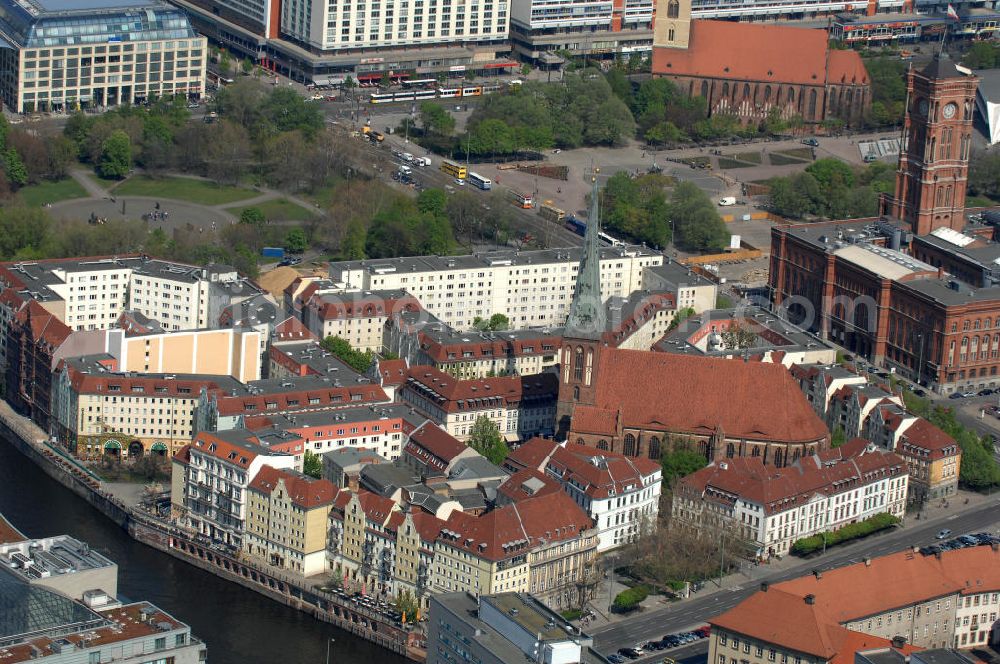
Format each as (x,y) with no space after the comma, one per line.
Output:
(759,52)
(698,395)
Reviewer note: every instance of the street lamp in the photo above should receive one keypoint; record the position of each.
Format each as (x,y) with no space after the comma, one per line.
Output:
(329,641)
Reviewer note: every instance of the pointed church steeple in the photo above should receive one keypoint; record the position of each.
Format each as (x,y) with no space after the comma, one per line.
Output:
(587,319)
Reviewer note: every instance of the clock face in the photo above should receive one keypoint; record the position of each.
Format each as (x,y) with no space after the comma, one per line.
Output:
(949,110)
(922,106)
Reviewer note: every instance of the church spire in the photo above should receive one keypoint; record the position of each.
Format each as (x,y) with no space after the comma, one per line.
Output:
(587,319)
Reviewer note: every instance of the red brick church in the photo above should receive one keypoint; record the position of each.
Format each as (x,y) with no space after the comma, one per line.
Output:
(748,69)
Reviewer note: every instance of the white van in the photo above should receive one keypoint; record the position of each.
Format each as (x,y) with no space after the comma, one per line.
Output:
(726,201)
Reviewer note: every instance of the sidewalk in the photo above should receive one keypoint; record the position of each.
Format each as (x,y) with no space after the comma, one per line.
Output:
(749,574)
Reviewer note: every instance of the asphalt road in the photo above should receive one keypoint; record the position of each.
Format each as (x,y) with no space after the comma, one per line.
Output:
(696,610)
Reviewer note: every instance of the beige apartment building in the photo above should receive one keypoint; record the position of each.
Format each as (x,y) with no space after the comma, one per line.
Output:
(286,522)
(225,352)
(97,410)
(92,55)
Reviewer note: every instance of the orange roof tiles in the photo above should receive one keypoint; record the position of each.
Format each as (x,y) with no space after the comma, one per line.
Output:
(292,329)
(759,52)
(452,394)
(531,454)
(698,395)
(9,533)
(430,439)
(517,485)
(304,491)
(924,439)
(392,372)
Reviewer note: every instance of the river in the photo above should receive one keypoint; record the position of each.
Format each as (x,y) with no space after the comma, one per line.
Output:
(239,626)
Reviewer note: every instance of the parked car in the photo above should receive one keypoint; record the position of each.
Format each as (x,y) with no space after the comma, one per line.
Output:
(919,392)
(631,653)
(616,659)
(811,142)
(956,395)
(943,534)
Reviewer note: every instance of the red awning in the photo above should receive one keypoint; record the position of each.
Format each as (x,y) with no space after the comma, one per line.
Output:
(499,65)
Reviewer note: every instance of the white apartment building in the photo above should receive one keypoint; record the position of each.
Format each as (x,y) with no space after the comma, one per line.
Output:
(335,25)
(975,616)
(209,483)
(91,293)
(621,494)
(92,54)
(774,508)
(690,288)
(359,317)
(532,288)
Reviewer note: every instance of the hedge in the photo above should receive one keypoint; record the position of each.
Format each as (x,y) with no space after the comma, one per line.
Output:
(807,545)
(627,600)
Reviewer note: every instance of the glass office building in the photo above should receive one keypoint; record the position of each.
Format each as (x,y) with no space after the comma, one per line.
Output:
(64,55)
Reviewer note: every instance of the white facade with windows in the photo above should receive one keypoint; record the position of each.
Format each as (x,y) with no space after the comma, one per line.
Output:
(350,24)
(532,288)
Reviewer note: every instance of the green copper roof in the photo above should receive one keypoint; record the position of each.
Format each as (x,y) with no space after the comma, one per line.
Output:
(586,315)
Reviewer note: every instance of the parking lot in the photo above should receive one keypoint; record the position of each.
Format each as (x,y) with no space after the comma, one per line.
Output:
(667,643)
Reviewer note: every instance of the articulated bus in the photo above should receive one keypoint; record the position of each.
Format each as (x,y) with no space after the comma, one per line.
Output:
(614,242)
(525,201)
(420,83)
(454,170)
(477,180)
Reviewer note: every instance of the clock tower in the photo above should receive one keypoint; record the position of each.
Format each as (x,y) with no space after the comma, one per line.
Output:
(934,162)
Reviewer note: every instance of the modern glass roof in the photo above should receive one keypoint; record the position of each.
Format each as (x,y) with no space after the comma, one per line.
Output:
(28,610)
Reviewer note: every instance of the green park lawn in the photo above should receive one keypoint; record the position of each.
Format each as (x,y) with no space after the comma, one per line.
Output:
(183,189)
(278,209)
(37,195)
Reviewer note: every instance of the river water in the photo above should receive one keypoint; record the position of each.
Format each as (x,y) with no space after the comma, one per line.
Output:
(239,626)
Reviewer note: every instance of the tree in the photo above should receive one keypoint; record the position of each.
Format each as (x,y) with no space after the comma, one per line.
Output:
(495,323)
(485,438)
(253,216)
(696,220)
(246,66)
(837,436)
(406,604)
(737,337)
(357,360)
(312,465)
(14,168)
(984,175)
(433,200)
(681,461)
(982,55)
(296,241)
(116,156)
(435,119)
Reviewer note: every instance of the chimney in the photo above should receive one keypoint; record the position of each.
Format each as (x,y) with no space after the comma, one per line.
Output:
(764,585)
(937,554)
(818,574)
(868,561)
(898,642)
(810,599)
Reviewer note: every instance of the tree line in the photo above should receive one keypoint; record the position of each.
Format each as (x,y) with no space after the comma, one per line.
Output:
(638,208)
(832,189)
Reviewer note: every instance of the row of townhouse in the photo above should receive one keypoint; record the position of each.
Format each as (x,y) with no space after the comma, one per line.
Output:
(948,600)
(846,400)
(771,508)
(543,544)
(620,494)
(519,406)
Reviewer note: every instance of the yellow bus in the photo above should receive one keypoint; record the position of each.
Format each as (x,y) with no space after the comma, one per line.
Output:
(454,170)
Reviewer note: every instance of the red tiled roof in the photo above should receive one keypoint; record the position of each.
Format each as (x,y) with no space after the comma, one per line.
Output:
(531,454)
(183,455)
(43,325)
(600,474)
(304,491)
(924,439)
(759,52)
(898,580)
(256,403)
(223,449)
(698,395)
(514,529)
(514,488)
(9,533)
(430,439)
(780,489)
(644,310)
(376,507)
(292,329)
(358,305)
(454,395)
(392,372)
(428,525)
(487,348)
